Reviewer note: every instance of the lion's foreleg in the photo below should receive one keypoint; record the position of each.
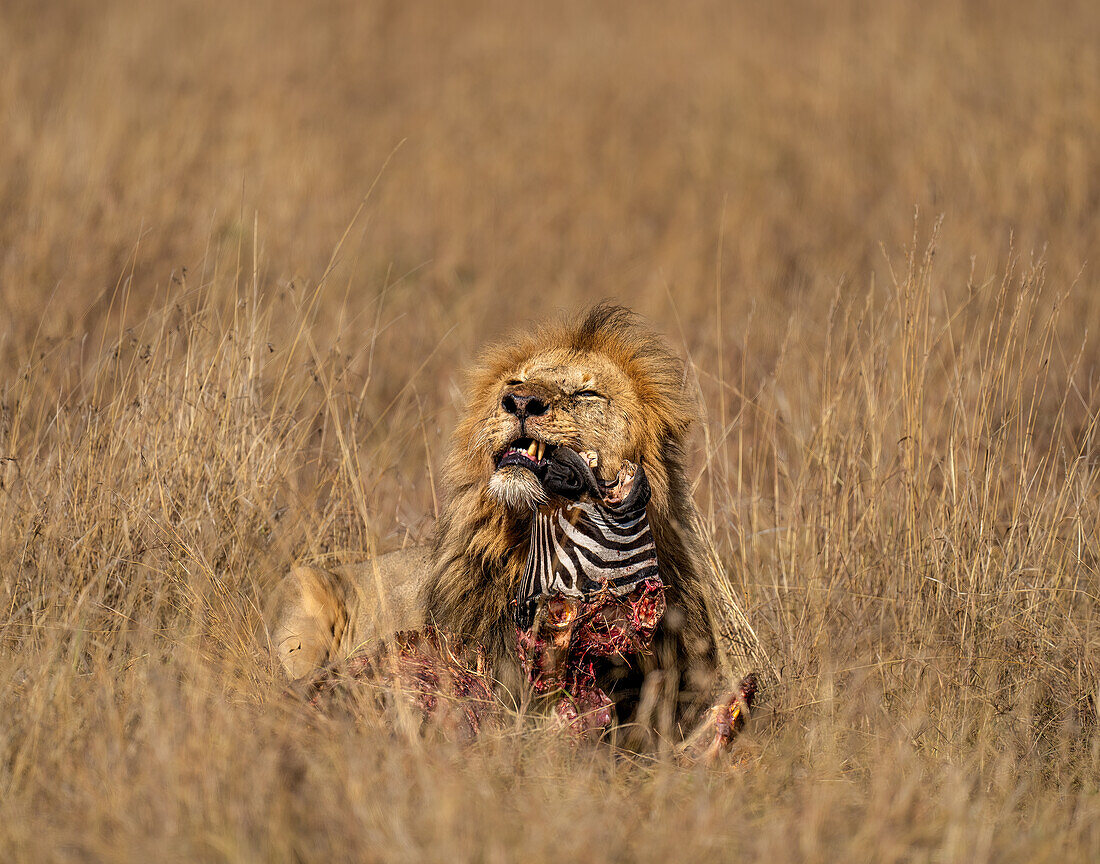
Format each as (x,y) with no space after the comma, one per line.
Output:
(714,735)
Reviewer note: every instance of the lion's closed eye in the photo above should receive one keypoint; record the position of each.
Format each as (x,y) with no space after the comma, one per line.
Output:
(587,394)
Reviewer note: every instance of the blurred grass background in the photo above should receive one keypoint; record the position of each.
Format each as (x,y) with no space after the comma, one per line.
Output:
(246,250)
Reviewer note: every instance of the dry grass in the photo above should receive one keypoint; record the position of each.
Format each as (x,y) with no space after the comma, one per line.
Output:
(899,467)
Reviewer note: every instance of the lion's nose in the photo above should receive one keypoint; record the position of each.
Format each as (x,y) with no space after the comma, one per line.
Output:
(523,405)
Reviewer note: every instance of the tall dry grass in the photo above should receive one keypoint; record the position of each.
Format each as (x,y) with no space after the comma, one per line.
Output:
(213,362)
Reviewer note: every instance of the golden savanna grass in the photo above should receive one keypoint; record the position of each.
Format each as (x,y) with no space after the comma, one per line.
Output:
(245,250)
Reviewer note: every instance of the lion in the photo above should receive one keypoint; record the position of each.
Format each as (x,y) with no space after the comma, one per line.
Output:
(603,383)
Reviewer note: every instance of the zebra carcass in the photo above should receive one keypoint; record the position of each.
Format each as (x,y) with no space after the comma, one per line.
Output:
(591,588)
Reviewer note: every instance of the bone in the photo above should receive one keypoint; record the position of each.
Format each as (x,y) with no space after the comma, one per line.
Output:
(620,490)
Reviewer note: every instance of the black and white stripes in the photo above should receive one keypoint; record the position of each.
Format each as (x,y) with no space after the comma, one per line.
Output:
(581,548)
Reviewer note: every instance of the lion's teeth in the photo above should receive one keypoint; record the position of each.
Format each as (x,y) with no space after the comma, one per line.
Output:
(541,450)
(592,456)
(532,448)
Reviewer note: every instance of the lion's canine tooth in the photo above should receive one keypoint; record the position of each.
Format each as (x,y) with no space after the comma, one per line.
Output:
(541,450)
(592,456)
(532,448)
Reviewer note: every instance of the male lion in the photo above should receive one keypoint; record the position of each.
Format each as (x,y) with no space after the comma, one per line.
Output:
(603,384)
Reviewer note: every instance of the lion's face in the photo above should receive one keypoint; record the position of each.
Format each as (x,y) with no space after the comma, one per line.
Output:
(579,400)
(602,383)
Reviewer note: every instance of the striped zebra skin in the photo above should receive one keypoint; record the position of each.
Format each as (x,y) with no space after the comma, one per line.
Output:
(580,549)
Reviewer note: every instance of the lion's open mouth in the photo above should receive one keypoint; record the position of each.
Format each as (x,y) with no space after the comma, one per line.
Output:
(527,453)
(535,455)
